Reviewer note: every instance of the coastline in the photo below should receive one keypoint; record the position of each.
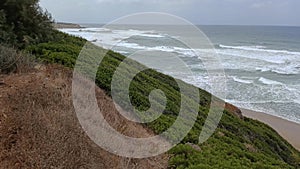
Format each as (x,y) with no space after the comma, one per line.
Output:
(63,25)
(287,129)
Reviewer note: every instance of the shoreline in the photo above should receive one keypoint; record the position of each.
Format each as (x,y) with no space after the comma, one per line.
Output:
(287,129)
(63,25)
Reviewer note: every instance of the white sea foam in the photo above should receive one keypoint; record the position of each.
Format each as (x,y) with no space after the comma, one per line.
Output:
(256,102)
(260,59)
(151,35)
(140,47)
(260,53)
(259,48)
(186,52)
(163,48)
(268,81)
(132,32)
(108,38)
(283,69)
(297,101)
(122,52)
(263,56)
(242,80)
(131,45)
(95,30)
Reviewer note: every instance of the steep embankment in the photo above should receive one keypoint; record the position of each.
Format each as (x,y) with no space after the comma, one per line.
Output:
(39,127)
(238,142)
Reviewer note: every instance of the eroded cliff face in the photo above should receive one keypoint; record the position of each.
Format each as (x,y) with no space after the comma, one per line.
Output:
(234,110)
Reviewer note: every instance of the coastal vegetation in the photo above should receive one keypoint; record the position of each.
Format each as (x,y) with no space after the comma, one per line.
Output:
(23,23)
(238,142)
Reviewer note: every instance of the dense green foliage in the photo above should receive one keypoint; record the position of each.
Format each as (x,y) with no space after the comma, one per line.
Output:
(23,22)
(237,143)
(63,50)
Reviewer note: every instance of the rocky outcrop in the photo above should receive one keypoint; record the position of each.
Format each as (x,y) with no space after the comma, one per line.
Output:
(234,110)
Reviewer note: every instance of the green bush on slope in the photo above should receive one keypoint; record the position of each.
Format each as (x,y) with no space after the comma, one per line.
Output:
(236,143)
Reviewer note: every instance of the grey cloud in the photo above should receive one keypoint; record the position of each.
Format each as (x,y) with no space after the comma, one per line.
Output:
(237,12)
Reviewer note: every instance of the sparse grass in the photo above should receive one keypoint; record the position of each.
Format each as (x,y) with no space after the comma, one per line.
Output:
(39,128)
(12,60)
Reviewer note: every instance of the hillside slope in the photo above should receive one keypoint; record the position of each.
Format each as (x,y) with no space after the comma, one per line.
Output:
(238,142)
(39,127)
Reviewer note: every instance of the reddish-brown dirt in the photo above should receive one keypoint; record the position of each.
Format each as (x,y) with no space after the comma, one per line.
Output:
(39,127)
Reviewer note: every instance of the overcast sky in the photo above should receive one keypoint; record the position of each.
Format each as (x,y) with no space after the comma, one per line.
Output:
(208,12)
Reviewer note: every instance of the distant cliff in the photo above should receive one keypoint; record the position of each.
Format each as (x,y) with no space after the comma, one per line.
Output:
(60,25)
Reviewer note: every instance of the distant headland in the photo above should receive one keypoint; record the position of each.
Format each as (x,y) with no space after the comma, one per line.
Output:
(61,25)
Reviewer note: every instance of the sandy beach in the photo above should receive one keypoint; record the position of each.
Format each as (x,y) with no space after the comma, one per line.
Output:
(287,129)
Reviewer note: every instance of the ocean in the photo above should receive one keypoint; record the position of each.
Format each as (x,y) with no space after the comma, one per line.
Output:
(261,63)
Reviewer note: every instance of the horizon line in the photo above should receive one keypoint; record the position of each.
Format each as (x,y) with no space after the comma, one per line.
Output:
(86,23)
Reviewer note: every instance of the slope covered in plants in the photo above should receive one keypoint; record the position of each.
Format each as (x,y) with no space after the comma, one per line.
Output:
(238,142)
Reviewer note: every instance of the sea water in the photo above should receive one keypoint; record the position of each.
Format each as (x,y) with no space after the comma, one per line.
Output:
(261,63)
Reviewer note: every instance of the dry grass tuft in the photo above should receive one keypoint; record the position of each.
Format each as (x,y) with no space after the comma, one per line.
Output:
(12,60)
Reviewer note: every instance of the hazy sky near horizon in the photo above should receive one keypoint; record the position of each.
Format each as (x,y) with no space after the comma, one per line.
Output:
(209,12)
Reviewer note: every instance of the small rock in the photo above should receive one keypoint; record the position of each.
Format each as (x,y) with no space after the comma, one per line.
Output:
(221,134)
(194,146)
(2,82)
(234,110)
(40,67)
